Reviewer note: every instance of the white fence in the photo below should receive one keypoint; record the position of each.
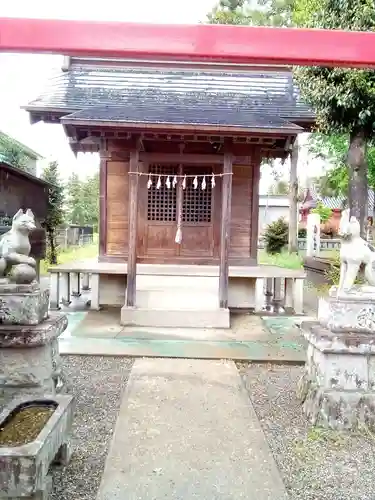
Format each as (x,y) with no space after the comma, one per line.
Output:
(325,244)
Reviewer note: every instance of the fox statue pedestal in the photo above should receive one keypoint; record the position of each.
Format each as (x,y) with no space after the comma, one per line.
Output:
(337,389)
(29,354)
(29,359)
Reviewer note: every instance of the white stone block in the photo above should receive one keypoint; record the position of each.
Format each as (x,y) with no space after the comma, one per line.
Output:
(259,295)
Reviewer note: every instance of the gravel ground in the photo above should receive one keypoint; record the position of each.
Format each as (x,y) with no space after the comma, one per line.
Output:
(315,464)
(98,383)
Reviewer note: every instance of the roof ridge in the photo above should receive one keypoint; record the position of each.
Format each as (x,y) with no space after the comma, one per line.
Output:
(184,64)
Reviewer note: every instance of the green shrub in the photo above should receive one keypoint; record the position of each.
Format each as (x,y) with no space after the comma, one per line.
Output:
(302,232)
(276,236)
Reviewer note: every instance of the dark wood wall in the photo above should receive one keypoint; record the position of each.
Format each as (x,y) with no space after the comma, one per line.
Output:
(17,191)
(156,241)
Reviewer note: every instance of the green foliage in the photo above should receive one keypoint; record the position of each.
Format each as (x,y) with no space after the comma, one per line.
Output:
(302,232)
(344,99)
(283,259)
(83,200)
(334,148)
(12,153)
(259,13)
(323,211)
(304,10)
(55,214)
(276,236)
(73,200)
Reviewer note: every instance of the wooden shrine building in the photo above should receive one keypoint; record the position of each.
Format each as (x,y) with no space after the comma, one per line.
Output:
(180,151)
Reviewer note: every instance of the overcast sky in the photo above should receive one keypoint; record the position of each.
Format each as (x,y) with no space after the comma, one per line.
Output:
(22,77)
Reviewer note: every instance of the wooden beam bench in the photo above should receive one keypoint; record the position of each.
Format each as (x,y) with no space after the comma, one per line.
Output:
(248,285)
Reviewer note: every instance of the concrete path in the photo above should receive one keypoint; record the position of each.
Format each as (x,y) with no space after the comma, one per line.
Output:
(187,430)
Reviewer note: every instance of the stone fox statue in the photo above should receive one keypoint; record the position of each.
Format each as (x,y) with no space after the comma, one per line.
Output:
(15,248)
(354,251)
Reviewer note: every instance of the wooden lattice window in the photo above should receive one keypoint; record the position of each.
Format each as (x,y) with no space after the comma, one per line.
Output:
(162,202)
(197,203)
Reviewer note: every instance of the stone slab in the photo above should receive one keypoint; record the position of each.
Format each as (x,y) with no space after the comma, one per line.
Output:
(191,349)
(328,341)
(187,429)
(23,308)
(12,336)
(6,287)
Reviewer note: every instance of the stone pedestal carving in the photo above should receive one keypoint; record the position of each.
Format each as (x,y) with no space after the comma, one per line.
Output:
(23,304)
(338,386)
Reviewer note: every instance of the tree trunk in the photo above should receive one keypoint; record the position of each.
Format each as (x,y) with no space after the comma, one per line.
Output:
(52,247)
(358,190)
(293,200)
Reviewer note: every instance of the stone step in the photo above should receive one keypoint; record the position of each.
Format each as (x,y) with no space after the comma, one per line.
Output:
(176,293)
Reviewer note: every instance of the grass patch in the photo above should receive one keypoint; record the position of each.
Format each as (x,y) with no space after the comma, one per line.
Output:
(71,254)
(283,259)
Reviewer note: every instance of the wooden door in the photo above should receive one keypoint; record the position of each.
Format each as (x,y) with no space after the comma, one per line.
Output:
(197,214)
(161,214)
(161,207)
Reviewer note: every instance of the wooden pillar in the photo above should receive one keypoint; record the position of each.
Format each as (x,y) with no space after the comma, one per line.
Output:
(293,200)
(225,229)
(133,223)
(103,198)
(256,160)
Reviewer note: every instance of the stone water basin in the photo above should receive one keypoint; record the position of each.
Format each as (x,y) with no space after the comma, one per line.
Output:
(24,467)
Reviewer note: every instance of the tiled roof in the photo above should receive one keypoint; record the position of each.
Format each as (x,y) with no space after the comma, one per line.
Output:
(336,202)
(154,91)
(206,114)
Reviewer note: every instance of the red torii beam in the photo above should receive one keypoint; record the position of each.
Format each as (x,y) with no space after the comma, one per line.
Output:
(217,43)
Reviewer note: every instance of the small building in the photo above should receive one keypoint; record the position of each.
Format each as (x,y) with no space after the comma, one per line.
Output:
(335,203)
(19,189)
(271,208)
(180,151)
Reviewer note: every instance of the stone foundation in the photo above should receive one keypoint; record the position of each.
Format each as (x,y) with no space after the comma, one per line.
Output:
(29,358)
(337,389)
(23,304)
